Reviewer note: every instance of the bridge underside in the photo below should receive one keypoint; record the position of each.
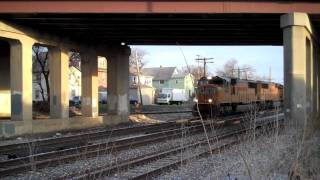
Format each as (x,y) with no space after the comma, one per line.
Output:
(102,35)
(161,29)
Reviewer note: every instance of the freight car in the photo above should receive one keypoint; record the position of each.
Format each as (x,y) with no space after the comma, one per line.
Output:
(216,95)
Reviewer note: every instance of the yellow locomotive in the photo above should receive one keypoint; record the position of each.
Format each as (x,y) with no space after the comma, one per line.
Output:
(215,95)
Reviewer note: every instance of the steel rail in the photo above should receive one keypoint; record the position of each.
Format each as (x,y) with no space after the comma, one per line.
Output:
(55,157)
(161,112)
(175,164)
(52,158)
(50,144)
(109,169)
(90,150)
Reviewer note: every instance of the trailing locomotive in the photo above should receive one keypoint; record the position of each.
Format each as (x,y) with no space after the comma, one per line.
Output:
(215,95)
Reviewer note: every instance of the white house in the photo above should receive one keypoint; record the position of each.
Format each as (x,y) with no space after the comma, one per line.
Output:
(147,90)
(144,80)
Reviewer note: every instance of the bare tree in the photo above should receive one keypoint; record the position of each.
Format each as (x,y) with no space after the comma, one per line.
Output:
(232,69)
(41,70)
(248,72)
(75,59)
(228,68)
(136,64)
(196,71)
(137,55)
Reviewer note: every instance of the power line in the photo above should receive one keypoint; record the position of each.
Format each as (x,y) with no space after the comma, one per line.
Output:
(240,70)
(205,62)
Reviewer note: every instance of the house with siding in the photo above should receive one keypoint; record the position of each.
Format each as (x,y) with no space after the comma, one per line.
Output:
(147,90)
(170,77)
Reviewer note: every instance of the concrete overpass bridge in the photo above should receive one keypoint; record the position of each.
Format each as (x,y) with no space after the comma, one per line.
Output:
(99,28)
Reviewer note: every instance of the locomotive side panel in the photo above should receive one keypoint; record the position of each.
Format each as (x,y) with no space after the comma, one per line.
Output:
(220,94)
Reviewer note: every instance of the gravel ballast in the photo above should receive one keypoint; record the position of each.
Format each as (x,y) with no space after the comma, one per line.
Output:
(105,159)
(269,157)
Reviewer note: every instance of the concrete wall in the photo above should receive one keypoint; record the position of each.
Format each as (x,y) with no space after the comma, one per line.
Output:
(15,128)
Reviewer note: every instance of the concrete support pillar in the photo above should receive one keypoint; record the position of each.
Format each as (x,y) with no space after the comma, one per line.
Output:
(316,90)
(21,80)
(89,84)
(118,85)
(299,69)
(5,91)
(59,80)
(316,82)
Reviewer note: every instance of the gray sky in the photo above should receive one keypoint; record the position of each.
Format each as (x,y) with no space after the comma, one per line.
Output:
(259,57)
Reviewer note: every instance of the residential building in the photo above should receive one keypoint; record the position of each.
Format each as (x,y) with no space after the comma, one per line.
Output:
(147,90)
(170,77)
(74,82)
(144,79)
(102,73)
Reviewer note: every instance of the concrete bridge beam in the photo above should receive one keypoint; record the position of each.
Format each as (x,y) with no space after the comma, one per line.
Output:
(301,76)
(89,84)
(118,85)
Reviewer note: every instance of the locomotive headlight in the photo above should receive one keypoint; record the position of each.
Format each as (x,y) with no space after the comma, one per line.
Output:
(195,100)
(210,100)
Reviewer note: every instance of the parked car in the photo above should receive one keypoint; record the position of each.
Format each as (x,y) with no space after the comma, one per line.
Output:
(103,97)
(133,101)
(75,101)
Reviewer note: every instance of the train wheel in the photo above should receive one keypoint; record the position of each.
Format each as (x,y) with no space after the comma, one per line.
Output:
(214,111)
(234,108)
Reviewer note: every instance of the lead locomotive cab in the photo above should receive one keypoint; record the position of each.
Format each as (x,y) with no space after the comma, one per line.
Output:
(215,95)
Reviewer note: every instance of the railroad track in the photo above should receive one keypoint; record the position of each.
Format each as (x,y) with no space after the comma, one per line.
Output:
(22,149)
(154,134)
(163,112)
(141,167)
(52,158)
(91,150)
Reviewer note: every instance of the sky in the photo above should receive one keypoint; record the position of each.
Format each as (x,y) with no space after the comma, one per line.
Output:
(261,58)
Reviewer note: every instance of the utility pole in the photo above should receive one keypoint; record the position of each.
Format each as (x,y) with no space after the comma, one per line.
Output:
(198,73)
(138,74)
(270,78)
(205,62)
(239,70)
